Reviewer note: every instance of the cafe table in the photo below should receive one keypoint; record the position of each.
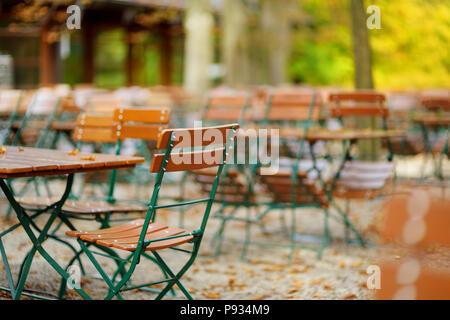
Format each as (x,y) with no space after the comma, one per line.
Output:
(19,162)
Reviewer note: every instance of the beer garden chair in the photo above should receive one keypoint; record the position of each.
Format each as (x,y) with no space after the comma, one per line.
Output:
(352,178)
(285,189)
(144,236)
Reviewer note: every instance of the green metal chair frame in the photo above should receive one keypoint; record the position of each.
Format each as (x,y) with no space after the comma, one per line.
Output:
(306,104)
(162,163)
(220,108)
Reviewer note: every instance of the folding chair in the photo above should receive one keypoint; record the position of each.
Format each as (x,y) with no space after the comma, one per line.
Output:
(238,190)
(221,107)
(354,179)
(141,236)
(126,123)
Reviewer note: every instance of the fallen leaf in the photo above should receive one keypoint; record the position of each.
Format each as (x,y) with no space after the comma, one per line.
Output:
(230,272)
(21,149)
(317,295)
(349,296)
(2,150)
(297,270)
(261,297)
(341,264)
(316,281)
(292,290)
(328,287)
(73,152)
(357,264)
(211,295)
(298,284)
(192,290)
(90,158)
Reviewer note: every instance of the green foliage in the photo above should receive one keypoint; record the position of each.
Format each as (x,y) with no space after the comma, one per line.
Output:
(110,59)
(410,51)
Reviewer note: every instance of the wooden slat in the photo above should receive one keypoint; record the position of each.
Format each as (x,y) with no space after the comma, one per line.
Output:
(102,135)
(219,114)
(360,111)
(138,131)
(142,115)
(362,96)
(95,121)
(292,113)
(188,161)
(227,101)
(205,135)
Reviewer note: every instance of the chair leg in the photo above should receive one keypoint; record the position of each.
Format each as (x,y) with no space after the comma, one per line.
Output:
(218,236)
(109,283)
(293,235)
(176,277)
(346,224)
(325,236)
(247,234)
(164,272)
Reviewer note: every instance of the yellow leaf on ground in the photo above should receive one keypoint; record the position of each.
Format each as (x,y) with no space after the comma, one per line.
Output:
(357,264)
(327,287)
(211,295)
(316,281)
(349,296)
(261,297)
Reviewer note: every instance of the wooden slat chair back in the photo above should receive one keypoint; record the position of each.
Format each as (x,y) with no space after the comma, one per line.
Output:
(94,128)
(293,105)
(223,107)
(436,103)
(212,137)
(146,235)
(359,103)
(104,103)
(140,123)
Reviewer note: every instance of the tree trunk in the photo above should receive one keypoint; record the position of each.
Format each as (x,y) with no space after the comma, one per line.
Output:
(361,47)
(235,43)
(198,25)
(369,149)
(275,25)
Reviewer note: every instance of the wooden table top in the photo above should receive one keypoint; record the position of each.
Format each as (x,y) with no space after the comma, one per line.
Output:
(18,162)
(333,135)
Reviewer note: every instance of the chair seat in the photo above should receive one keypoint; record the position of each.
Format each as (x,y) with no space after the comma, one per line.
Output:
(82,206)
(126,236)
